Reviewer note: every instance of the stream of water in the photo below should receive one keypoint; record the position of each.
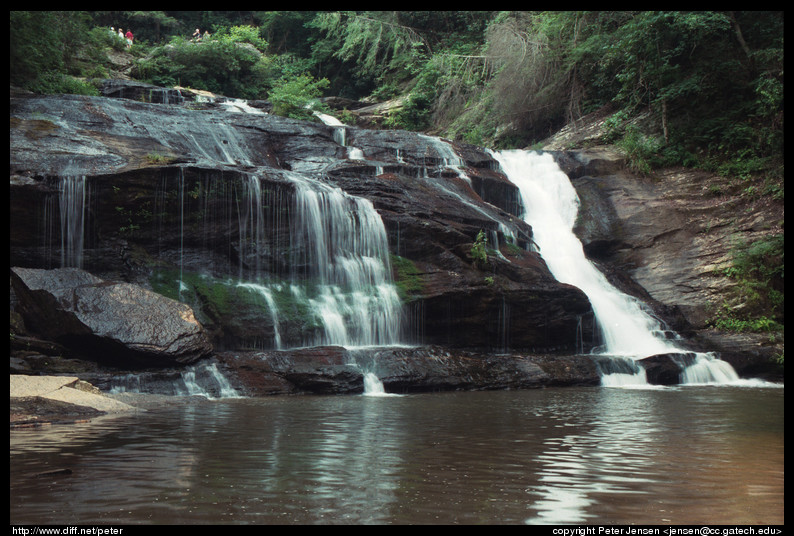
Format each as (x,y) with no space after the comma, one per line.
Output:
(628,327)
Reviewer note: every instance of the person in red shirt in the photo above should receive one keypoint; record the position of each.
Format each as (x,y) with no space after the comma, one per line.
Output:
(129,38)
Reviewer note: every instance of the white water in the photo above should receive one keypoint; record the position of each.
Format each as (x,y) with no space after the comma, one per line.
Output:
(267,293)
(199,380)
(551,206)
(337,242)
(241,106)
(340,242)
(210,375)
(373,386)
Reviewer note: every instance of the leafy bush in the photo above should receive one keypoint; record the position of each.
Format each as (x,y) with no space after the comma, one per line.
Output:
(291,97)
(478,250)
(642,151)
(758,270)
(52,83)
(228,64)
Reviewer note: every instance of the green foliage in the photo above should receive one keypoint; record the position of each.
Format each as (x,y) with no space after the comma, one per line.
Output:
(762,260)
(291,97)
(757,303)
(51,83)
(236,35)
(756,325)
(376,42)
(710,81)
(478,250)
(228,64)
(407,278)
(641,151)
(44,51)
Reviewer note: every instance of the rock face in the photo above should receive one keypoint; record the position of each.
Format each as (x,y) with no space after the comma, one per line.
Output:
(202,205)
(116,323)
(277,234)
(673,234)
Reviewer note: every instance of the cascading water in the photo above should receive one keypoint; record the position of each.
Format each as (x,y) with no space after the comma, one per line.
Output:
(339,242)
(349,256)
(197,380)
(72,199)
(629,331)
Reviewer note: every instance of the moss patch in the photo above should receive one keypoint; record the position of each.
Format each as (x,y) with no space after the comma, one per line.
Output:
(407,279)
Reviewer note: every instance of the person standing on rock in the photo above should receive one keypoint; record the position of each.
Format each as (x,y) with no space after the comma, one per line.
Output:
(129,38)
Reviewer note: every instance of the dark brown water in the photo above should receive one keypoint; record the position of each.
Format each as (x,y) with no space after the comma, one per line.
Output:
(686,455)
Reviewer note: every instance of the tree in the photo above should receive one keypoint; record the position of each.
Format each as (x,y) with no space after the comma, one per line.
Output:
(43,49)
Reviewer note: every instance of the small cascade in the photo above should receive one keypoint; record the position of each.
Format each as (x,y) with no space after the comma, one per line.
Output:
(373,386)
(340,131)
(181,231)
(621,371)
(199,380)
(697,368)
(206,381)
(340,242)
(251,222)
(340,136)
(628,329)
(449,159)
(267,294)
(240,106)
(73,202)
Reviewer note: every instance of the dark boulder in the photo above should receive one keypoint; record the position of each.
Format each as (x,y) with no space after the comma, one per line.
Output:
(115,323)
(663,369)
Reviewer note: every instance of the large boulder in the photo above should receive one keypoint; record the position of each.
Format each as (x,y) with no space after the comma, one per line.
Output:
(115,323)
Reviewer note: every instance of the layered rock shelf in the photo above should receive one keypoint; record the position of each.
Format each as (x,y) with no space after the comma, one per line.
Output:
(154,231)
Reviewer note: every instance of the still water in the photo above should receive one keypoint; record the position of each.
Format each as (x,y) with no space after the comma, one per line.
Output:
(680,455)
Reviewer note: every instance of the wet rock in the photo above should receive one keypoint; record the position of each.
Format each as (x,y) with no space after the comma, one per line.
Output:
(115,323)
(663,369)
(164,187)
(139,91)
(334,370)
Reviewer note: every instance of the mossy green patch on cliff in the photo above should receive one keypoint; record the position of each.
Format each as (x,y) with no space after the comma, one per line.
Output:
(407,279)
(224,302)
(216,296)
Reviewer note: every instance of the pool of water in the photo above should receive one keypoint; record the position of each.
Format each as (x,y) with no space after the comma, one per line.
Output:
(676,455)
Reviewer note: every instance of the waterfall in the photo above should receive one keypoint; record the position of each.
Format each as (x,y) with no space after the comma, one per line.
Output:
(267,293)
(628,329)
(240,106)
(353,255)
(339,241)
(72,199)
(251,221)
(449,159)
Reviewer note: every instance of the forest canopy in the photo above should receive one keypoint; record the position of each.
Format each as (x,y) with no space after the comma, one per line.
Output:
(709,83)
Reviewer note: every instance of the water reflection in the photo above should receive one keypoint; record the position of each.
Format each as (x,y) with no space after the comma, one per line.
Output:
(604,456)
(591,455)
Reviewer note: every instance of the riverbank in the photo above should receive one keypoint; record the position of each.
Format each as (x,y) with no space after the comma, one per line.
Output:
(44,400)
